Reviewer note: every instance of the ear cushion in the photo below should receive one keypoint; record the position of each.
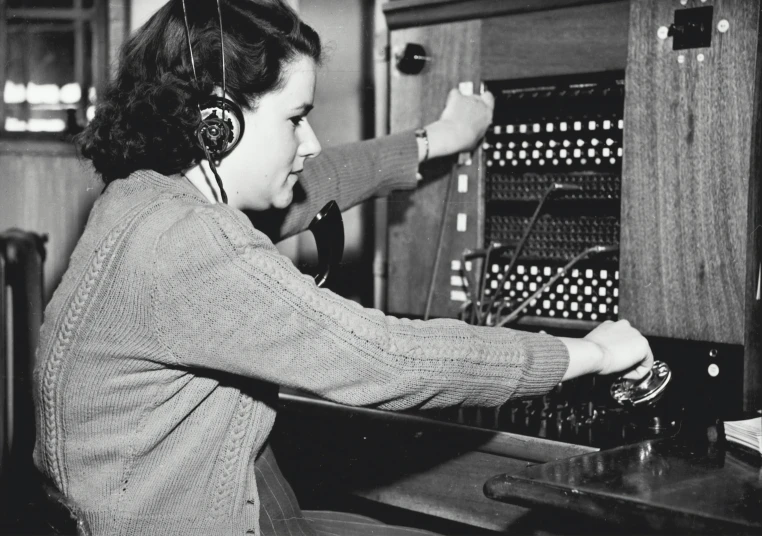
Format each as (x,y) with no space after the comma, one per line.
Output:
(221,126)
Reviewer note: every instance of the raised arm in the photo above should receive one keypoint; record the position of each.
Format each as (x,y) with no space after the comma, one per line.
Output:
(353,173)
(348,174)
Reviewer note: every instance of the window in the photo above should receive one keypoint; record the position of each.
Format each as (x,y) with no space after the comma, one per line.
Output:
(52,57)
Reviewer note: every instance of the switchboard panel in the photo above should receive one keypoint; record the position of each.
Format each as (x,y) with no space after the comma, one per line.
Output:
(552,161)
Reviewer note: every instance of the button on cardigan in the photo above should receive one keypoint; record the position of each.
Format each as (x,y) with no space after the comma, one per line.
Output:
(164,345)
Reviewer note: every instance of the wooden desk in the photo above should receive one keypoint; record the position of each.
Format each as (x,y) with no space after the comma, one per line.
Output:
(405,461)
(686,484)
(670,485)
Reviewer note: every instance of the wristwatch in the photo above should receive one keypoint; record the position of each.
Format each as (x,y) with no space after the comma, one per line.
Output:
(421,134)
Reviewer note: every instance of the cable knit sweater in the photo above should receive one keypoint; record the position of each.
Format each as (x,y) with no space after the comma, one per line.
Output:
(163,346)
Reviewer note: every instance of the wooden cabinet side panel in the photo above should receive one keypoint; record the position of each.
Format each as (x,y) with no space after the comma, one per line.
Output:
(415,217)
(752,391)
(685,177)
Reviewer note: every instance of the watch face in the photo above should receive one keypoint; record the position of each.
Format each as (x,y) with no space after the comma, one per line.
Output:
(645,391)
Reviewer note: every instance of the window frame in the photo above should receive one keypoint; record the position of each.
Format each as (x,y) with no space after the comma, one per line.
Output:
(79,16)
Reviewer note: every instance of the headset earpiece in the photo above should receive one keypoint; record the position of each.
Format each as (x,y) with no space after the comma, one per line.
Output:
(221,126)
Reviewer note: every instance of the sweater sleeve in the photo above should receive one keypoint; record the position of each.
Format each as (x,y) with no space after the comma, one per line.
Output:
(348,174)
(225,299)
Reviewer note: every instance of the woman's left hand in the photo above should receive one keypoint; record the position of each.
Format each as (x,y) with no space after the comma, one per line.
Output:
(462,125)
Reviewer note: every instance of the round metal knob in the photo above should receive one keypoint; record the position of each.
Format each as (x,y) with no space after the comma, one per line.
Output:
(645,391)
(412,59)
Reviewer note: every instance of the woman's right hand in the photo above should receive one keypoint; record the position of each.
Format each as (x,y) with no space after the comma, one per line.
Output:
(623,349)
(610,348)
(464,121)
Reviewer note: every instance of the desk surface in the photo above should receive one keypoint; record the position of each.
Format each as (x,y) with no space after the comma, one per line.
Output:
(668,484)
(685,484)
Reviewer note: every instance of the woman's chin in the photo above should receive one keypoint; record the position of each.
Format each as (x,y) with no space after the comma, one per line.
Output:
(283,200)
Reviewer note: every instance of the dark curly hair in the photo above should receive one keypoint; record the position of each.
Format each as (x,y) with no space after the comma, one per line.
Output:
(148,115)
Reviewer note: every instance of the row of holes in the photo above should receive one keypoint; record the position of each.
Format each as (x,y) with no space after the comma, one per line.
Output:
(583,293)
(563,126)
(550,154)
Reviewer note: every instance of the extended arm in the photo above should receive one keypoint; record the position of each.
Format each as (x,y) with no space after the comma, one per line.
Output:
(234,304)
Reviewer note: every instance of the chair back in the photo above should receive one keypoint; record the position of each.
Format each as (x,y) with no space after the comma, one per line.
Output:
(22,256)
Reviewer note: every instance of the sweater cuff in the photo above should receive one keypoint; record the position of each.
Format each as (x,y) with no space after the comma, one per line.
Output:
(402,160)
(546,363)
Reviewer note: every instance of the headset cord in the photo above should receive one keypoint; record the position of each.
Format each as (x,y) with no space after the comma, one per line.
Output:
(217,177)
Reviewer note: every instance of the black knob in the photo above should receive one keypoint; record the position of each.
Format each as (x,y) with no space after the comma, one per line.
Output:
(413,59)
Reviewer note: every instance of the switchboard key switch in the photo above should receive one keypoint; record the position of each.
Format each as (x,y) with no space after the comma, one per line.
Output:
(516,416)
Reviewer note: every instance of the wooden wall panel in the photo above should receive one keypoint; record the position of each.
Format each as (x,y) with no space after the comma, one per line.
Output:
(687,142)
(581,39)
(415,217)
(752,393)
(47,191)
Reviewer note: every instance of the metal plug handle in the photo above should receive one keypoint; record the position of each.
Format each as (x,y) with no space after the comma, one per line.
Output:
(645,391)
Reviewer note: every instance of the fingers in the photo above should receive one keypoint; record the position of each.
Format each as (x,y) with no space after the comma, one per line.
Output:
(638,372)
(643,367)
(463,122)
(626,350)
(489,99)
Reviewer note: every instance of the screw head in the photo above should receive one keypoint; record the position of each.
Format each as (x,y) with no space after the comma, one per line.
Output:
(700,57)
(680,59)
(723,26)
(662,32)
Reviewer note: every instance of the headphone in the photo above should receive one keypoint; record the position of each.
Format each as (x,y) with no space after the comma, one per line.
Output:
(221,122)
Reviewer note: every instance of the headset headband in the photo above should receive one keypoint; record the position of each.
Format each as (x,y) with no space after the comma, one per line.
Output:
(213,131)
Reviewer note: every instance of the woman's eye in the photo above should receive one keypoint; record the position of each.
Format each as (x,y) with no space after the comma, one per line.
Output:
(297,120)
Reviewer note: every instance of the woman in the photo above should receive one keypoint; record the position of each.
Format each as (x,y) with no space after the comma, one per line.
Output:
(164,346)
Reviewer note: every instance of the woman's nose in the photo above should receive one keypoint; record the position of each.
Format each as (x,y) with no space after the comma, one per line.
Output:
(309,146)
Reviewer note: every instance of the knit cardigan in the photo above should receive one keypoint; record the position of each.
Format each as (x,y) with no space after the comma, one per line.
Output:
(164,345)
